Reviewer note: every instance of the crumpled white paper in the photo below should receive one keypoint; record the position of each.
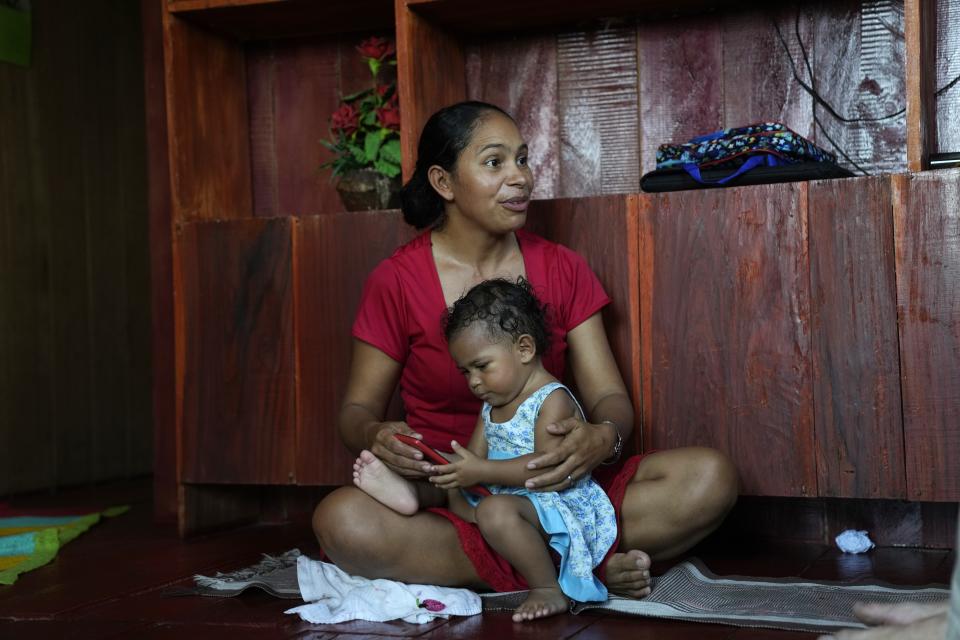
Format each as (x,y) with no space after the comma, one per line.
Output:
(852,541)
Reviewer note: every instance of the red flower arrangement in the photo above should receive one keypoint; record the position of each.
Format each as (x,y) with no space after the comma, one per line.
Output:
(365,129)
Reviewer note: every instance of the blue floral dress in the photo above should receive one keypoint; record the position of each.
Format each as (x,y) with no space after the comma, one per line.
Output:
(581,521)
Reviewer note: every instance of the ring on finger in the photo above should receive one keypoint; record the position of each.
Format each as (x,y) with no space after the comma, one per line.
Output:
(570,478)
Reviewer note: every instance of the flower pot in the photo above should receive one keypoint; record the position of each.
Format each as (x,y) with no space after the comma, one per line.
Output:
(366,189)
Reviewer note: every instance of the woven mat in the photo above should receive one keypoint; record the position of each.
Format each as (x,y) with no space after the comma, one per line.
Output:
(689,591)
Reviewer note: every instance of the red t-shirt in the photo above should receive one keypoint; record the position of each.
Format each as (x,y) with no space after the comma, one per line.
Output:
(401,312)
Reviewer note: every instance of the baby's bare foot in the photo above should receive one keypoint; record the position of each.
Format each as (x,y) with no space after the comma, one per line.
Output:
(628,574)
(380,482)
(543,602)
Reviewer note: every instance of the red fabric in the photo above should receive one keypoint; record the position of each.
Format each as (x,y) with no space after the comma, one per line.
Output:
(497,572)
(400,313)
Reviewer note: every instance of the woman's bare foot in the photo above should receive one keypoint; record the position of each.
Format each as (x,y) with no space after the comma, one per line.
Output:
(542,602)
(380,482)
(628,574)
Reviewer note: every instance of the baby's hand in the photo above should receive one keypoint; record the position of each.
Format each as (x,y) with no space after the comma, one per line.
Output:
(465,472)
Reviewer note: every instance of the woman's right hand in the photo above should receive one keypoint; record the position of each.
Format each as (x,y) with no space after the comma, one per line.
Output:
(402,458)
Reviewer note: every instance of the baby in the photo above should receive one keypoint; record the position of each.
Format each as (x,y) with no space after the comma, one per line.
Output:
(497,334)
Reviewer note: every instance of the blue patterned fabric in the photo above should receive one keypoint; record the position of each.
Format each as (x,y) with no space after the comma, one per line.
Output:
(581,520)
(731,147)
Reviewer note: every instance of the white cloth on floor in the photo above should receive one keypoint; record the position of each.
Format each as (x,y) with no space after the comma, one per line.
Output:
(335,596)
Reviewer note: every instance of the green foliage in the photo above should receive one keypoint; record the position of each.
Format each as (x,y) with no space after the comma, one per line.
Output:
(364,131)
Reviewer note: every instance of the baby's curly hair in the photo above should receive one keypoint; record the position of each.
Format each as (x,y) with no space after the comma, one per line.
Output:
(504,307)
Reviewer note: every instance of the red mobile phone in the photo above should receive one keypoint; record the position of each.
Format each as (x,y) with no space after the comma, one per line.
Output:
(429,452)
(435,456)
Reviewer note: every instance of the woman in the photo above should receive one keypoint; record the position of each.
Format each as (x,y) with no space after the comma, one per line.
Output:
(471,189)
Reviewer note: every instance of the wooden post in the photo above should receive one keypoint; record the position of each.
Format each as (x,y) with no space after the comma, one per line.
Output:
(920,17)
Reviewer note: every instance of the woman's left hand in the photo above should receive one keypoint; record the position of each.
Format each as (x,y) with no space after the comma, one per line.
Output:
(584,446)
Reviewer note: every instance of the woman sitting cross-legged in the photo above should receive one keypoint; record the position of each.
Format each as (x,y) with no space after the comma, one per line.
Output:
(497,335)
(470,192)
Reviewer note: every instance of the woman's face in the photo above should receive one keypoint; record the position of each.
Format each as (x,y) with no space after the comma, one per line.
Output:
(492,182)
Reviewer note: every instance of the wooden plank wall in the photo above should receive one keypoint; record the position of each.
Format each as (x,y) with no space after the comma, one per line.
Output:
(729,331)
(927,236)
(74,287)
(693,75)
(209,121)
(948,69)
(737,365)
(292,89)
(859,424)
(239,414)
(331,268)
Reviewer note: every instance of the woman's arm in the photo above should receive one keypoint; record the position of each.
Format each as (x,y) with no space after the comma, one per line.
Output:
(373,378)
(604,395)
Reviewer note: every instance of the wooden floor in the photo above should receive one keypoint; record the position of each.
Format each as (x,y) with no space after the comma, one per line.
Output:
(109,583)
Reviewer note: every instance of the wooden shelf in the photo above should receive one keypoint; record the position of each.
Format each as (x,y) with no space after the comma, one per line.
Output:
(248,20)
(521,15)
(595,87)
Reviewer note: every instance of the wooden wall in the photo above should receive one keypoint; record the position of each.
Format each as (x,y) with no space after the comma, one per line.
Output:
(597,101)
(74,275)
(768,322)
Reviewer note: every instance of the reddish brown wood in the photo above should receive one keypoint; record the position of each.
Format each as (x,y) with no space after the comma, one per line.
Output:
(273,19)
(293,87)
(112,581)
(889,522)
(948,68)
(758,85)
(261,88)
(730,332)
(604,231)
(858,419)
(530,62)
(206,508)
(197,5)
(87,573)
(645,248)
(920,30)
(896,566)
(927,237)
(499,625)
(772,558)
(208,124)
(430,75)
(597,107)
(238,394)
(681,63)
(63,628)
(857,55)
(331,269)
(773,520)
(499,16)
(307,93)
(939,525)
